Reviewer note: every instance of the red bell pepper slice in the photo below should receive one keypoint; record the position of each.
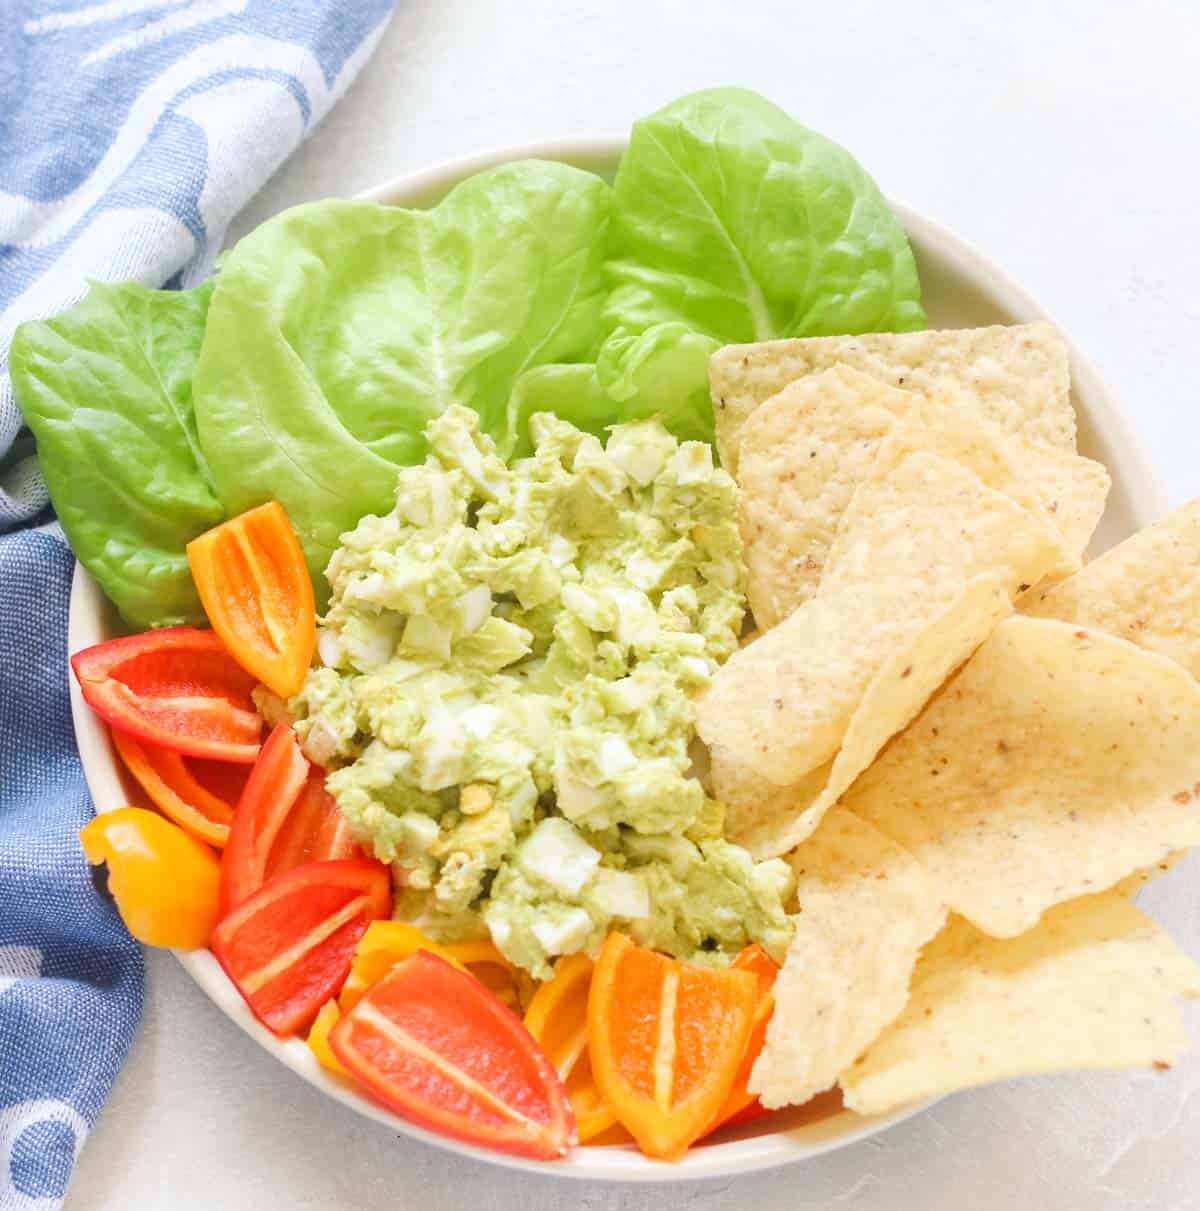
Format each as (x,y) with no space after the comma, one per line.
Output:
(177,688)
(434,1045)
(288,947)
(284,818)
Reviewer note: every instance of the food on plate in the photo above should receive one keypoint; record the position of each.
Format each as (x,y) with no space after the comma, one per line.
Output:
(1017,374)
(667,1041)
(174,787)
(1145,590)
(285,817)
(177,688)
(1093,986)
(550,840)
(865,908)
(387,943)
(805,450)
(557,1019)
(810,703)
(258,595)
(288,947)
(509,660)
(430,1042)
(163,880)
(740,1105)
(1079,743)
(106,388)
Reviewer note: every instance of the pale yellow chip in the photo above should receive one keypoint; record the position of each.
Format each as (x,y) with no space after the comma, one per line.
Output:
(910,541)
(1146,589)
(1055,763)
(865,909)
(803,454)
(1019,374)
(805,450)
(1093,986)
(769,820)
(1132,884)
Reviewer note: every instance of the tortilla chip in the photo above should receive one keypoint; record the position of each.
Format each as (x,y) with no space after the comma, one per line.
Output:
(807,448)
(803,454)
(865,910)
(1018,372)
(1093,986)
(1146,590)
(769,820)
(1056,762)
(1132,884)
(782,706)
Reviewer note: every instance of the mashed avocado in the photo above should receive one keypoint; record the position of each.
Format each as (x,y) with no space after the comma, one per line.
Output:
(509,660)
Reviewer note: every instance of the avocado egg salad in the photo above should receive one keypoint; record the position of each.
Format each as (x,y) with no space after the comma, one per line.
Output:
(509,664)
(595,669)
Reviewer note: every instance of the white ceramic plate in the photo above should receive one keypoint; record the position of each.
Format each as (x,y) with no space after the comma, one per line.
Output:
(961,289)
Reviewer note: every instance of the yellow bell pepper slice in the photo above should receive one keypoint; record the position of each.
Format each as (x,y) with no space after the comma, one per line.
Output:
(164,881)
(387,943)
(557,1018)
(318,1037)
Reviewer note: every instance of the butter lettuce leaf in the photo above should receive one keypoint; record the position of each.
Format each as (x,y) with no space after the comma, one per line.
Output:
(732,218)
(338,329)
(106,388)
(661,372)
(732,222)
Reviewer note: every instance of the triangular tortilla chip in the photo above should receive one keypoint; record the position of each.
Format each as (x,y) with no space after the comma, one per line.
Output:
(1093,986)
(1018,372)
(805,450)
(1146,590)
(1056,762)
(865,909)
(783,707)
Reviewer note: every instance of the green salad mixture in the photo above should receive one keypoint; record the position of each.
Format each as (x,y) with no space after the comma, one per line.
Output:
(307,371)
(509,661)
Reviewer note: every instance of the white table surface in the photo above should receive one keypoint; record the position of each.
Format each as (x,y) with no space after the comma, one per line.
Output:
(1061,138)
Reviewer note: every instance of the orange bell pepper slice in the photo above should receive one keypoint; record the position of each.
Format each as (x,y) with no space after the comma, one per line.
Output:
(742,1105)
(318,1037)
(256,590)
(666,1041)
(175,790)
(163,880)
(557,1018)
(387,943)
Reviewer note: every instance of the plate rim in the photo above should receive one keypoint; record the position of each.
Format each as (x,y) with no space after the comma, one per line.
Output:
(89,609)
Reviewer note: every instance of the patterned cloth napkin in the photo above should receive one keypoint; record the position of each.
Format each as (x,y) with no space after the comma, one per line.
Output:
(131,133)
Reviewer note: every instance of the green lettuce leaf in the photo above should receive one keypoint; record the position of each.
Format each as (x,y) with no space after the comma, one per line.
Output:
(732,222)
(660,372)
(106,388)
(339,328)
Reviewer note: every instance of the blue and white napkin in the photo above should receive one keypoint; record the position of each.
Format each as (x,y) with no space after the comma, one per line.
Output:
(131,133)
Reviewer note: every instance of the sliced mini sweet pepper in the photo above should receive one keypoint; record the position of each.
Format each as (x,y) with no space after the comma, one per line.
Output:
(288,947)
(318,1037)
(164,881)
(666,1041)
(175,790)
(177,688)
(557,1018)
(387,943)
(256,590)
(284,818)
(437,1047)
(741,1106)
